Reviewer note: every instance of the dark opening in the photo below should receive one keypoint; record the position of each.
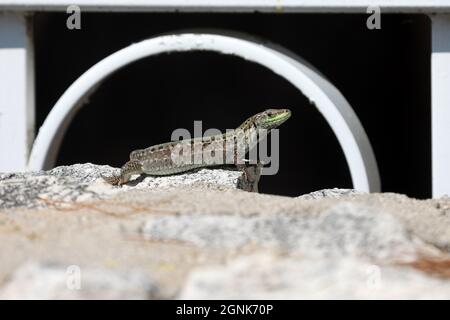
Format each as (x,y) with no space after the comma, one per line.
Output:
(384,74)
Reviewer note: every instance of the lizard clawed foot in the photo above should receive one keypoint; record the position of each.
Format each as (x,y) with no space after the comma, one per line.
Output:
(114,180)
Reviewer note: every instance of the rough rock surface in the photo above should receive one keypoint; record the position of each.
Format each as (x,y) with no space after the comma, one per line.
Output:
(81,182)
(330,193)
(53,281)
(198,236)
(345,229)
(265,276)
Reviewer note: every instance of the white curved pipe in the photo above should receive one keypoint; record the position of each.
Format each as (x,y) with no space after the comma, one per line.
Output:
(327,98)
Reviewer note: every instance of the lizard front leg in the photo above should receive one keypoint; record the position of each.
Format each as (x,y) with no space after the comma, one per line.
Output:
(252,174)
(127,170)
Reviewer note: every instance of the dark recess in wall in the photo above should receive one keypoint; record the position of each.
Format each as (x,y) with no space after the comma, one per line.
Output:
(384,74)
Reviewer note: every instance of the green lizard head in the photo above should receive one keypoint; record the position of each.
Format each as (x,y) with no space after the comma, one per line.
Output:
(271,118)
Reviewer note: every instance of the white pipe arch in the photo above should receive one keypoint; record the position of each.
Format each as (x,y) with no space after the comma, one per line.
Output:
(326,97)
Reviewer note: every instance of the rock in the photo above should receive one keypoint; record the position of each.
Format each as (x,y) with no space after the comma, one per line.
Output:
(81,182)
(200,235)
(341,230)
(331,193)
(53,281)
(204,178)
(265,276)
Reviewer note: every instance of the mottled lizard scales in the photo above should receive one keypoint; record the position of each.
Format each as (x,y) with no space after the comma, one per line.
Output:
(181,156)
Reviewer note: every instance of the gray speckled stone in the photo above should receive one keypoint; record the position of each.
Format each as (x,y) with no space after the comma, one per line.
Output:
(266,276)
(81,182)
(56,281)
(330,193)
(344,229)
(196,235)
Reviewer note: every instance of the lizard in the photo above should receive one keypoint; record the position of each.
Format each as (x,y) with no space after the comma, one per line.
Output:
(159,160)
